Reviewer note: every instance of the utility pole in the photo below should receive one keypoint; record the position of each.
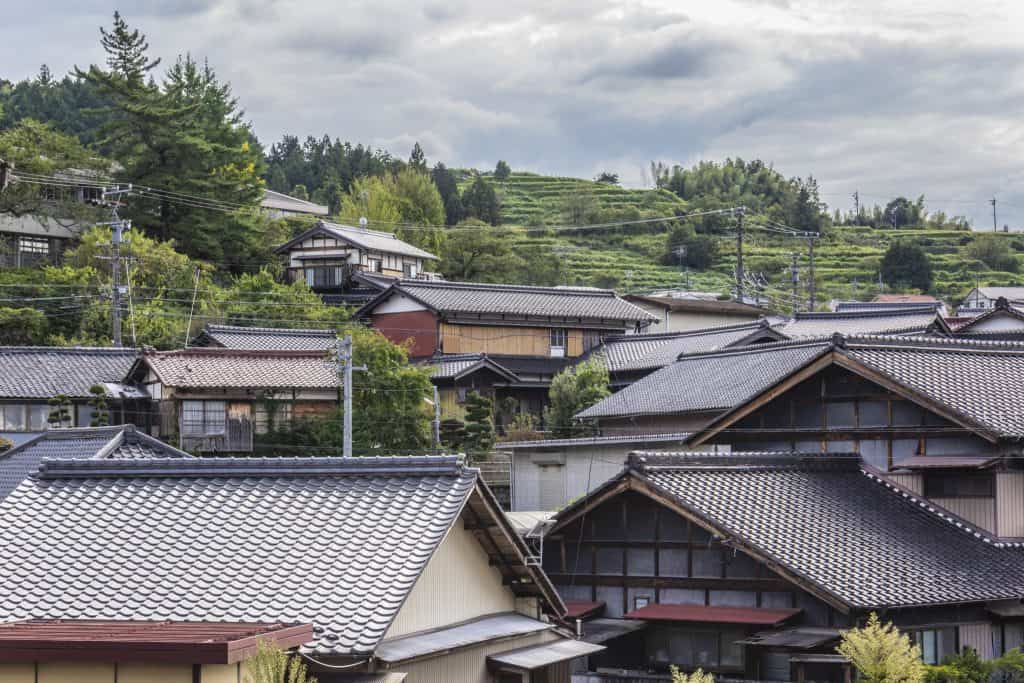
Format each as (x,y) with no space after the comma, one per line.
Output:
(856,207)
(118,227)
(810,282)
(5,174)
(437,420)
(739,252)
(344,352)
(794,273)
(680,251)
(994,222)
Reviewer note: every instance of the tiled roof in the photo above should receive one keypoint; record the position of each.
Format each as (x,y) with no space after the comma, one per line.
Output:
(369,240)
(267,338)
(452,366)
(638,352)
(905,299)
(839,528)
(699,305)
(284,202)
(219,368)
(1008,293)
(884,321)
(46,371)
(333,542)
(708,382)
(981,381)
(117,442)
(453,298)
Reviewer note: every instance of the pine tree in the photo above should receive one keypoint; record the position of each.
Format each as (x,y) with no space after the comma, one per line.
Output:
(418,160)
(479,423)
(126,51)
(60,411)
(98,401)
(481,201)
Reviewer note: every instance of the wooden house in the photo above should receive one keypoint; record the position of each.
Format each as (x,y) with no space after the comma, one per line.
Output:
(32,375)
(370,569)
(938,416)
(345,264)
(748,565)
(218,400)
(528,334)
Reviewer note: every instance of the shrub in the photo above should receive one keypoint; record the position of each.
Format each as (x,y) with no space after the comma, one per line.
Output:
(271,664)
(698,676)
(881,654)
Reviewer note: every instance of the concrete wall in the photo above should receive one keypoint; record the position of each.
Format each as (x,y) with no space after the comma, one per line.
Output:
(549,480)
(457,584)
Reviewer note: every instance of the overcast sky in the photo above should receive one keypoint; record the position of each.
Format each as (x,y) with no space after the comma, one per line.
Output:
(886,97)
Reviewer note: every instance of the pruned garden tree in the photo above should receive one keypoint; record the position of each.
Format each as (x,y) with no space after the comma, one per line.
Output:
(881,653)
(479,423)
(98,402)
(572,390)
(698,676)
(60,411)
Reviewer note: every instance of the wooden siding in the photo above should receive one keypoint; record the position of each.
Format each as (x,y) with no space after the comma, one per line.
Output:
(418,326)
(470,665)
(912,482)
(980,511)
(977,637)
(508,340)
(1010,504)
(457,584)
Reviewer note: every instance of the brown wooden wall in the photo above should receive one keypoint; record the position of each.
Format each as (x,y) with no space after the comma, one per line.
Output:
(507,340)
(419,326)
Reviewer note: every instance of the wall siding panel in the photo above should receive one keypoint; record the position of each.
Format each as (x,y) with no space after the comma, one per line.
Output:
(979,638)
(911,482)
(1010,504)
(457,584)
(980,511)
(420,326)
(513,341)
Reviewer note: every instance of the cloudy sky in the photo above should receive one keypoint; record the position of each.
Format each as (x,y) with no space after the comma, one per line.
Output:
(886,97)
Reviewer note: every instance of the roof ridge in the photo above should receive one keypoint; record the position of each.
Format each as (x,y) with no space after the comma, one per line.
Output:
(216,351)
(276,330)
(440,284)
(933,342)
(427,465)
(820,340)
(111,350)
(645,461)
(879,313)
(365,231)
(702,331)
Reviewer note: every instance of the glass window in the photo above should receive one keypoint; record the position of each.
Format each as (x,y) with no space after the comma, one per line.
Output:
(374,265)
(12,418)
(33,245)
(202,418)
(936,644)
(84,414)
(37,415)
(410,270)
(559,338)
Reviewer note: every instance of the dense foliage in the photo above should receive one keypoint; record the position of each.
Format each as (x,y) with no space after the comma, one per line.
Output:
(881,654)
(572,390)
(905,264)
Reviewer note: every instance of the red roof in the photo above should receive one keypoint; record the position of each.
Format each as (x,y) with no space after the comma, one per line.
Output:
(716,615)
(179,642)
(578,610)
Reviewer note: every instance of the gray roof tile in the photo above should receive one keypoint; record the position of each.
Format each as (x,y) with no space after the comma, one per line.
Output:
(638,352)
(453,298)
(707,382)
(333,542)
(369,240)
(267,338)
(115,442)
(46,371)
(843,529)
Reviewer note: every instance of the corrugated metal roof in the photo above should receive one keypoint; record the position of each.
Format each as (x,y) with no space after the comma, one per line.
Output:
(540,656)
(470,633)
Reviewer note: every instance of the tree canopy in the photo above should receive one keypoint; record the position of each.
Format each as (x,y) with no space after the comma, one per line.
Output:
(572,390)
(905,264)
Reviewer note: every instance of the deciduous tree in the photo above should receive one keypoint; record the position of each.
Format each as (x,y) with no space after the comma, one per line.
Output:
(881,654)
(572,390)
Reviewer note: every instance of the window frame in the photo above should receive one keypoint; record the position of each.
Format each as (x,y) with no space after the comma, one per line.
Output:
(556,334)
(208,419)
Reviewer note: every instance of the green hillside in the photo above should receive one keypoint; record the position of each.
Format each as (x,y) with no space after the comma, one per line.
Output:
(543,208)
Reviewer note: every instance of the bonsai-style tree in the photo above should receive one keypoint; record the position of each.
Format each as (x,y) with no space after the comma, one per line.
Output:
(100,414)
(881,654)
(60,411)
(479,423)
(271,664)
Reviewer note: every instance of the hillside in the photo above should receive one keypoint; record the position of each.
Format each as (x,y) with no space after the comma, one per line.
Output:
(630,257)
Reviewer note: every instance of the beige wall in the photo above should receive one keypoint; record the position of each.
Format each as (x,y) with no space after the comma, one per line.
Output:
(470,665)
(508,340)
(457,584)
(123,672)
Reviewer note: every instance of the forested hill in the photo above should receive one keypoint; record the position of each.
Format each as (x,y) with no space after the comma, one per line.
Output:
(178,129)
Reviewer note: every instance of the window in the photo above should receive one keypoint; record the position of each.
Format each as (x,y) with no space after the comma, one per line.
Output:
(202,418)
(410,270)
(374,265)
(84,414)
(959,485)
(325,276)
(33,245)
(37,417)
(262,422)
(559,341)
(12,418)
(936,644)
(641,601)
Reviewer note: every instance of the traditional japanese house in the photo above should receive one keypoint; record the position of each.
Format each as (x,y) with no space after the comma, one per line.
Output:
(748,565)
(32,375)
(692,311)
(903,320)
(979,299)
(266,338)
(329,257)
(1001,322)
(382,569)
(218,400)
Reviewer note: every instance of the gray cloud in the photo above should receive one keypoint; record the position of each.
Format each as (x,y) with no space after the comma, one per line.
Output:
(885,97)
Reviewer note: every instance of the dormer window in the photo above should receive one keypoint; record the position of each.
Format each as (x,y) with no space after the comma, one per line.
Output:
(559,340)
